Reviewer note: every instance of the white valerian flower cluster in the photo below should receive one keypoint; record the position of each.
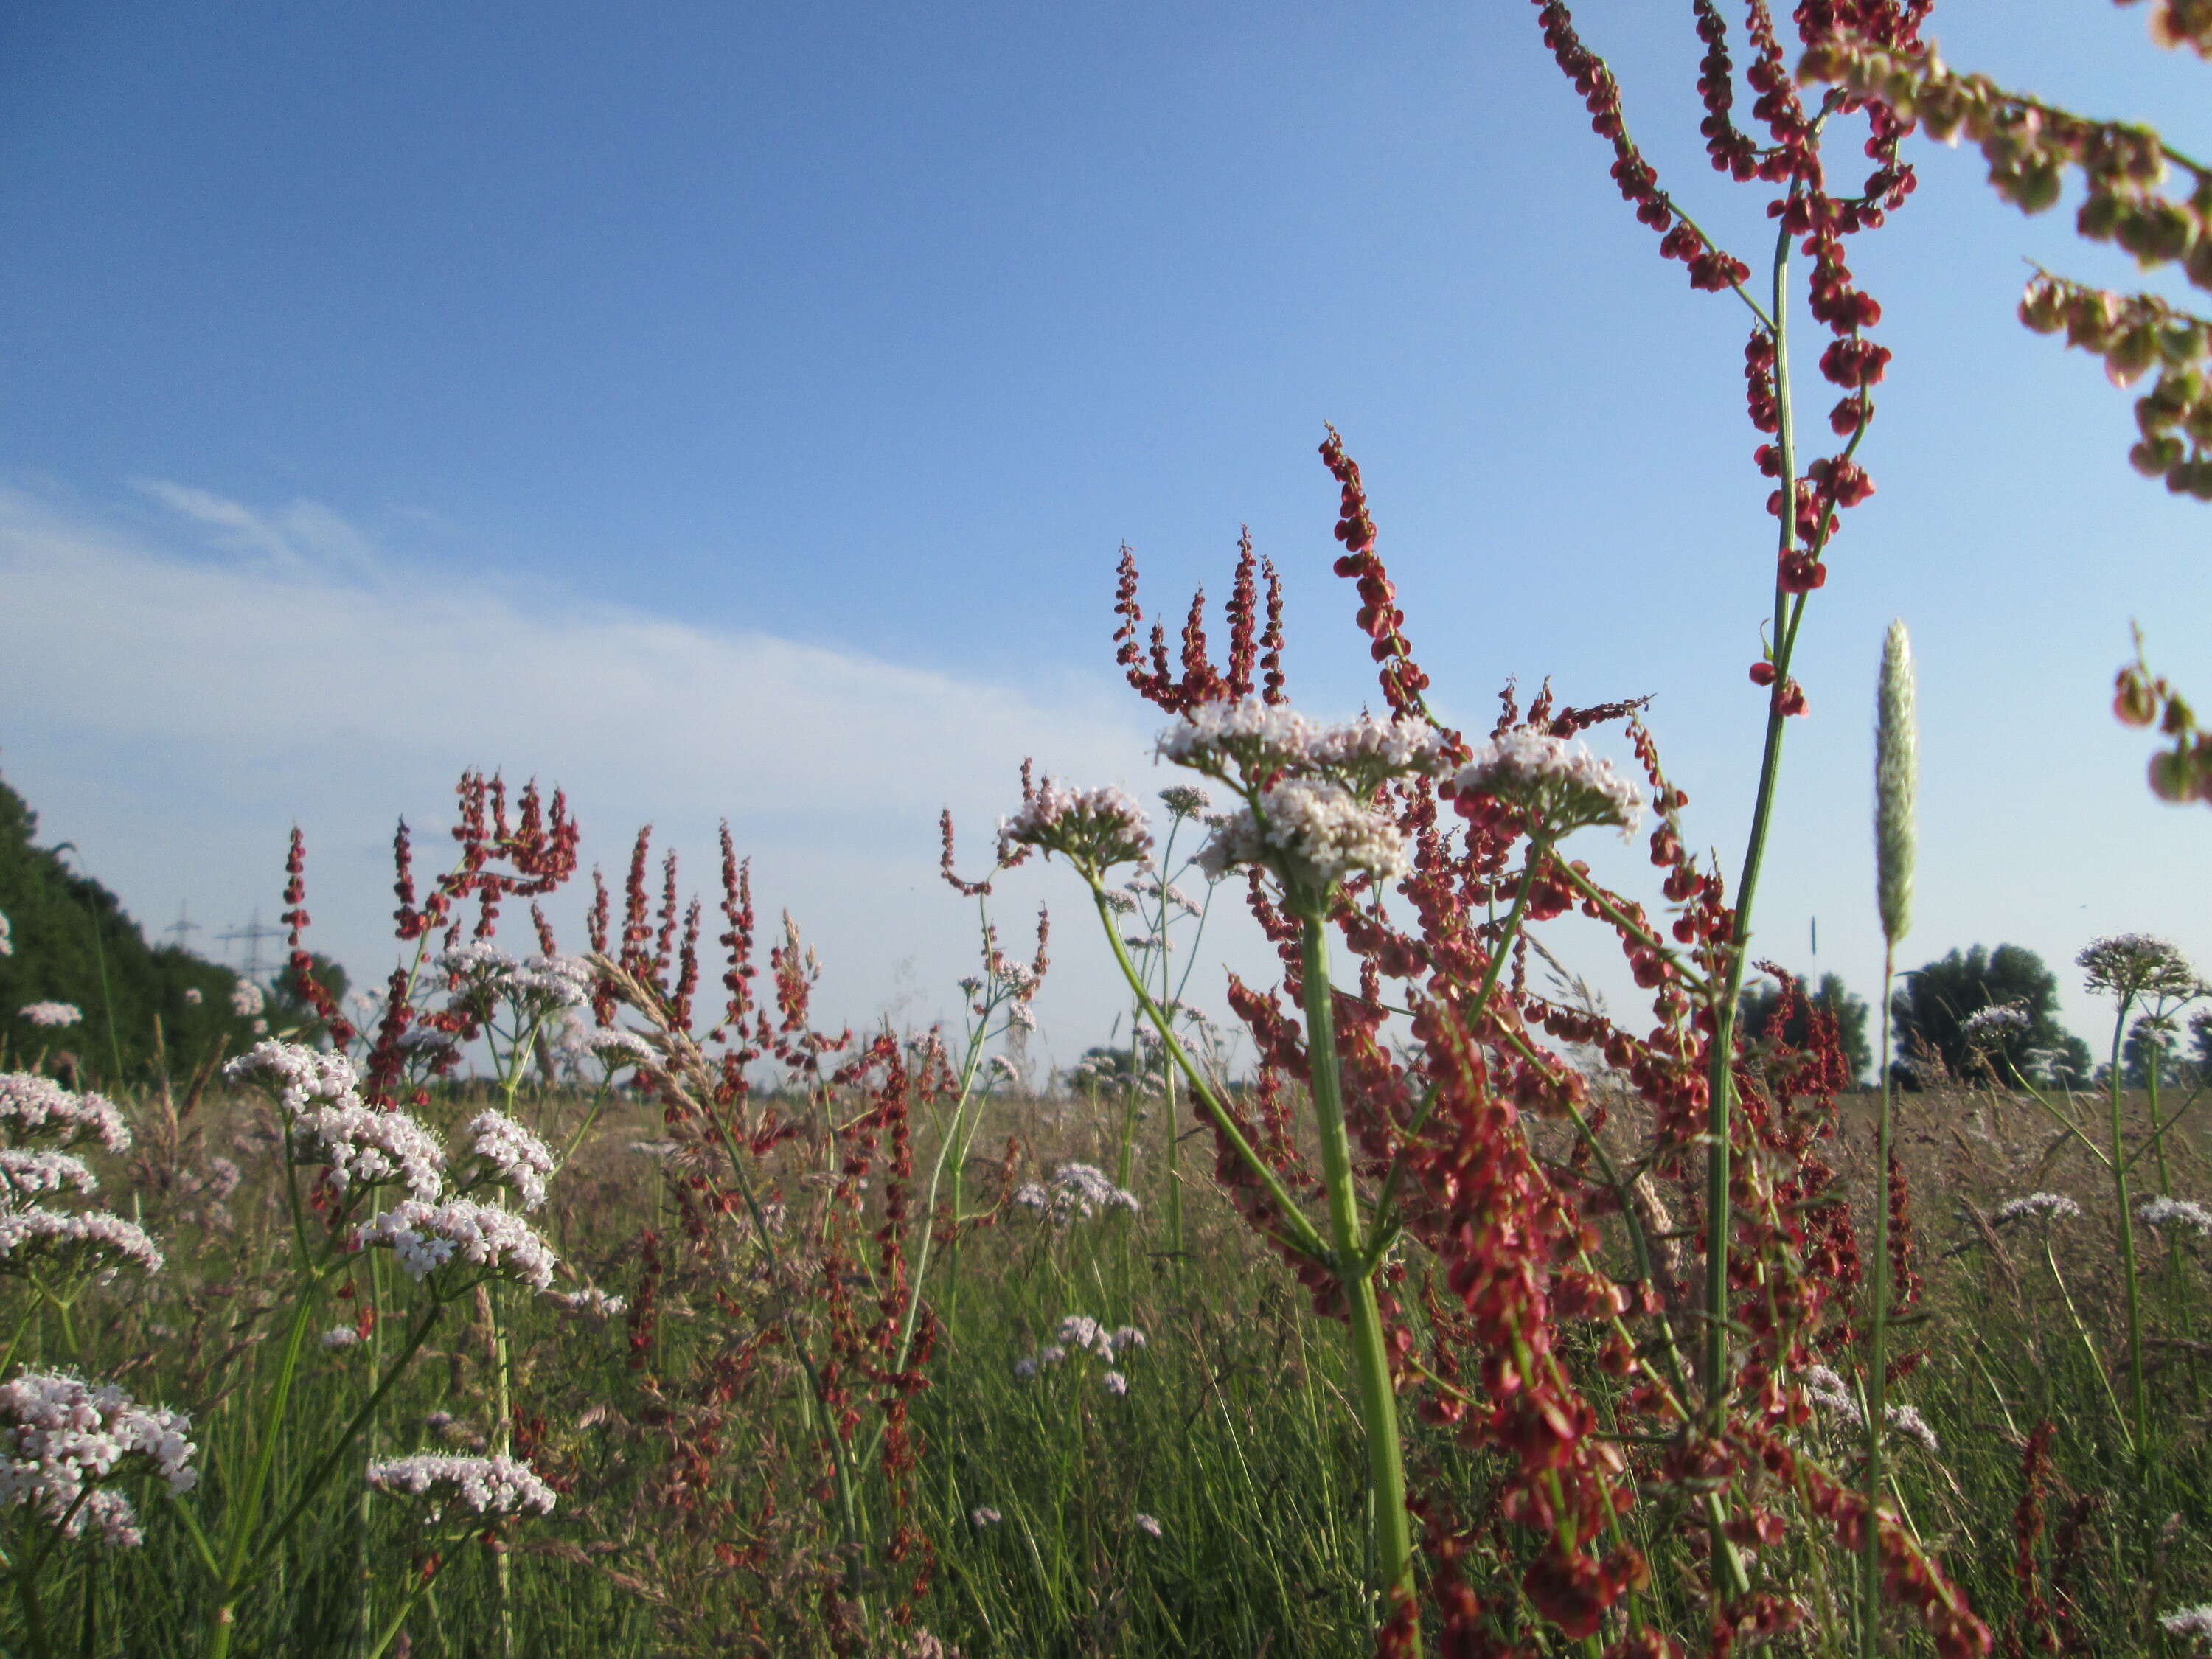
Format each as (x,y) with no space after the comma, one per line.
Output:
(1557,781)
(297,1075)
(2176,1212)
(1185,800)
(52,1015)
(33,1108)
(366,1148)
(2129,966)
(24,1174)
(60,1435)
(1317,833)
(2036,1206)
(1145,1524)
(1995,1023)
(7,936)
(342,1336)
(511,1156)
(497,1484)
(1076,1191)
(593,1302)
(2194,1622)
(482,974)
(89,1241)
(1080,1334)
(247,1000)
(1098,828)
(984,1515)
(425,1237)
(1832,1393)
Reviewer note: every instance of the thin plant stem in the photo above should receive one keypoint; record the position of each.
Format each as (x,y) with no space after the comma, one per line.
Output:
(1877,1372)
(2138,1396)
(1374,1394)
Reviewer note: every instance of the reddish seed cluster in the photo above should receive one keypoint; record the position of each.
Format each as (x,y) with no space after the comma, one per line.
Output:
(1255,639)
(1379,616)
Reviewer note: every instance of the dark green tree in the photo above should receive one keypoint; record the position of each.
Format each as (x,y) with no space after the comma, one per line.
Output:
(70,940)
(1763,1001)
(1930,1009)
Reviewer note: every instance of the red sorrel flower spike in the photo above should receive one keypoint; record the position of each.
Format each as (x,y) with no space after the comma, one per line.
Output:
(1201,684)
(1403,681)
(596,919)
(635,928)
(664,946)
(737,943)
(1244,618)
(407,921)
(1271,640)
(545,930)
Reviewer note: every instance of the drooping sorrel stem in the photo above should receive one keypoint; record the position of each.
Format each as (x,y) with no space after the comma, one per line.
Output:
(2138,1400)
(1373,1392)
(1877,1371)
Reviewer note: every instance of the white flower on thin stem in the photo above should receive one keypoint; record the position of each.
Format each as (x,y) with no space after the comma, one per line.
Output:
(1995,1023)
(511,1156)
(426,1237)
(1076,1191)
(1099,827)
(91,1241)
(2194,1622)
(1146,1524)
(488,1485)
(368,1148)
(1317,834)
(33,1108)
(984,1515)
(60,1435)
(1114,1382)
(1557,782)
(342,1336)
(592,1302)
(296,1074)
(52,1015)
(2036,1206)
(26,1175)
(2176,1212)
(247,1000)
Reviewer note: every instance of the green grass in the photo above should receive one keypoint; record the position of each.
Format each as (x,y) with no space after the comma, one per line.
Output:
(694,1518)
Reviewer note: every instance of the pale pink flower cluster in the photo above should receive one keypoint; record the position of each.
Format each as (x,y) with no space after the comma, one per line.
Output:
(33,1108)
(543,982)
(91,1239)
(593,1302)
(342,1336)
(2190,1621)
(24,1174)
(247,1000)
(59,1435)
(426,1236)
(513,1157)
(1076,1190)
(2176,1212)
(52,1015)
(366,1148)
(1146,885)
(2036,1206)
(1147,1525)
(1557,780)
(489,1486)
(1317,834)
(1994,1024)
(1253,737)
(1083,1332)
(1099,827)
(296,1074)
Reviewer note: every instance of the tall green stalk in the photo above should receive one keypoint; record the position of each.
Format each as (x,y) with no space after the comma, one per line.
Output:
(1373,1393)
(1896,784)
(2138,1396)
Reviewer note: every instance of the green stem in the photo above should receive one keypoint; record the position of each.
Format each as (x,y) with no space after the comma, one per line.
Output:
(1877,1382)
(2089,1347)
(223,1613)
(1376,1398)
(2138,1397)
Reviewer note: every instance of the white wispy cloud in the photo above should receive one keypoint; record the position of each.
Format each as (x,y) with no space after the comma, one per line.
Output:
(173,711)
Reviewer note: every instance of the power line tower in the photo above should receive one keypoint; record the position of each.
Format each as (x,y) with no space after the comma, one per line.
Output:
(182,929)
(253,934)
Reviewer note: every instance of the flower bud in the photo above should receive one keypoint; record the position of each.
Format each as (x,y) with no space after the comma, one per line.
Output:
(2134,703)
(1896,781)
(2172,777)
(1762,672)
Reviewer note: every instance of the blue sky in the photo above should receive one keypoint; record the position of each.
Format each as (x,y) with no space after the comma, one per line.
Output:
(734,409)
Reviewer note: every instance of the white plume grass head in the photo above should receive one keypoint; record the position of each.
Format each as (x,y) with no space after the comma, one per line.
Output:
(1896,781)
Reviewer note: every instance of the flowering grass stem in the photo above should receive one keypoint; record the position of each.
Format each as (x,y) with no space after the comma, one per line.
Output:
(2138,1393)
(1877,1367)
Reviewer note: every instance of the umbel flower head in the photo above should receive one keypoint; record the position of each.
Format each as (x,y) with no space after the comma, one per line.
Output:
(1316,834)
(92,1241)
(1896,781)
(1555,785)
(52,1015)
(33,1108)
(427,1237)
(60,1435)
(2129,966)
(484,1485)
(1092,829)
